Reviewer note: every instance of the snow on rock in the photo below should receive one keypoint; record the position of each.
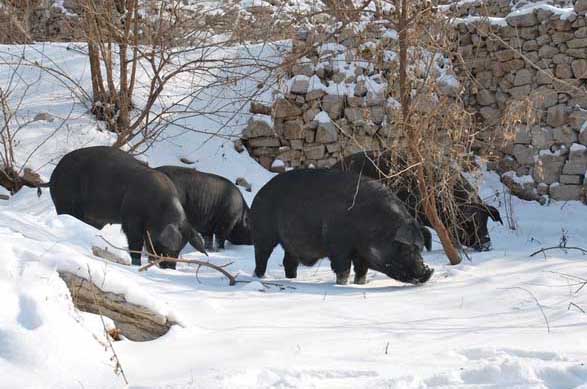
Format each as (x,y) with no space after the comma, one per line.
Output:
(322,117)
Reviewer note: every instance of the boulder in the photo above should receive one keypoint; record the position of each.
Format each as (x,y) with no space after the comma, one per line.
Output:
(258,125)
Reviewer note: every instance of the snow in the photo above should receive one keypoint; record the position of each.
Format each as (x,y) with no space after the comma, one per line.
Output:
(577,148)
(470,326)
(322,117)
(494,21)
(525,179)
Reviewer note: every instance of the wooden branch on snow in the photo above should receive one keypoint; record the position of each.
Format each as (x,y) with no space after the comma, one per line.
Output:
(558,248)
(109,256)
(135,322)
(160,258)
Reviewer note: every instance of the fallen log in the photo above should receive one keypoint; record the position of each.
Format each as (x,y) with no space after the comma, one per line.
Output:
(104,253)
(135,322)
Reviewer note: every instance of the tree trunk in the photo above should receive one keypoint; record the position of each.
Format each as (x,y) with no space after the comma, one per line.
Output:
(135,322)
(414,136)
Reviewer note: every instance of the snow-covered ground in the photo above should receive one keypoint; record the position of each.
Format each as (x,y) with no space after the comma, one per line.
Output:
(502,320)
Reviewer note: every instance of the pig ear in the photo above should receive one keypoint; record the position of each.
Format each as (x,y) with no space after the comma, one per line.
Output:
(427,238)
(171,237)
(197,242)
(494,214)
(408,234)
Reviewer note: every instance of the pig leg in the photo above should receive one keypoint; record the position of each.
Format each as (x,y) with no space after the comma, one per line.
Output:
(220,239)
(134,236)
(360,267)
(341,265)
(290,264)
(209,241)
(223,231)
(263,250)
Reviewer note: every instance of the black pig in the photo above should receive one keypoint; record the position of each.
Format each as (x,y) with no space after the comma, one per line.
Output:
(213,205)
(471,216)
(103,185)
(317,213)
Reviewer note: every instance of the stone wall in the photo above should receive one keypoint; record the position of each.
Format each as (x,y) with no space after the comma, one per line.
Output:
(539,57)
(336,100)
(39,21)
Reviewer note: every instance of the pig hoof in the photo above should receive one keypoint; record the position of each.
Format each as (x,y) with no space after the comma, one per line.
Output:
(342,278)
(361,280)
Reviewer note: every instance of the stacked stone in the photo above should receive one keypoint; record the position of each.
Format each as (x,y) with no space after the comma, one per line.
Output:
(539,54)
(496,8)
(335,104)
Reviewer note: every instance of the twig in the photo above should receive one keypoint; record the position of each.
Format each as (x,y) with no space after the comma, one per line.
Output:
(160,258)
(576,306)
(558,248)
(118,367)
(267,284)
(582,281)
(537,303)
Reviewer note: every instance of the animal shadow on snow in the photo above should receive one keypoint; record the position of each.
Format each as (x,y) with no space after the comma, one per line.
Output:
(317,280)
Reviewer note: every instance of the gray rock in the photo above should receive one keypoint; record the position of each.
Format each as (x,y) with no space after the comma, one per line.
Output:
(283,108)
(356,115)
(315,94)
(564,135)
(326,133)
(314,151)
(257,127)
(523,77)
(523,135)
(571,179)
(260,108)
(297,144)
(565,192)
(557,115)
(579,67)
(577,120)
(520,92)
(542,138)
(299,85)
(333,105)
(264,142)
(577,43)
(290,155)
(544,97)
(333,147)
(547,52)
(580,6)
(548,168)
(293,129)
(524,154)
(304,69)
(522,20)
(485,97)
(563,71)
(44,116)
(354,101)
